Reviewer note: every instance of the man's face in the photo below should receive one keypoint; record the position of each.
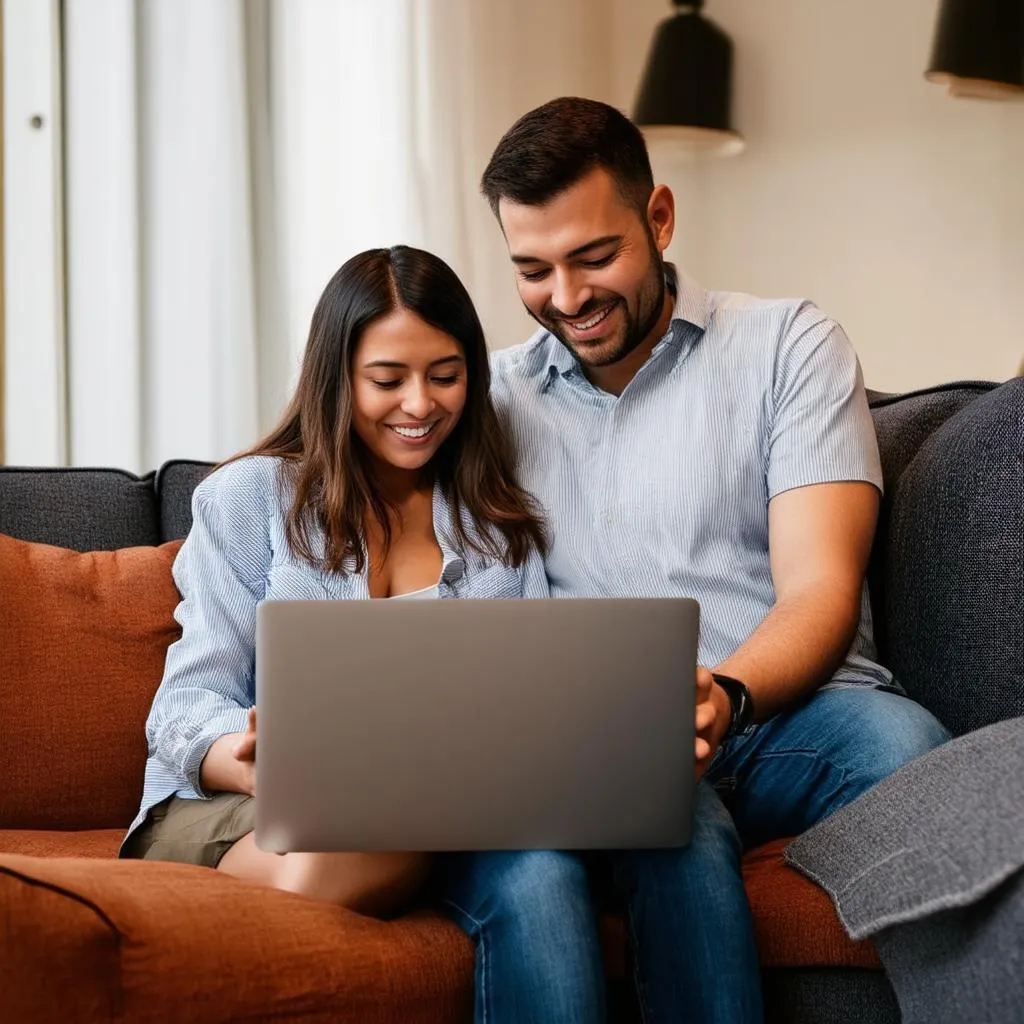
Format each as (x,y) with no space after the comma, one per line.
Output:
(589,268)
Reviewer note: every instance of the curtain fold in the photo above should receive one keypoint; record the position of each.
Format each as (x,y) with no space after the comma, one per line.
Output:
(199,349)
(160,177)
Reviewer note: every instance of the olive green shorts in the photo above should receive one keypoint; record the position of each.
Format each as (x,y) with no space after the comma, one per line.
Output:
(192,831)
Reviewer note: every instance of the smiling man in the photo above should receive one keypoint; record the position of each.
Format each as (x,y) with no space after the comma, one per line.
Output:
(695,444)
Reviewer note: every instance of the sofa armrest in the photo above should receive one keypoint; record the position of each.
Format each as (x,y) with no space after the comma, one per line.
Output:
(149,941)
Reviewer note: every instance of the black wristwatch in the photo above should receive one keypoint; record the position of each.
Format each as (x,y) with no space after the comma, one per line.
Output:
(741,701)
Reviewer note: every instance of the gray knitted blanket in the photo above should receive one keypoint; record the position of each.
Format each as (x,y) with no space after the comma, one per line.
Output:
(929,862)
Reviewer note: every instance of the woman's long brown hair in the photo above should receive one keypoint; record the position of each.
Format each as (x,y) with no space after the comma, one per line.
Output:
(334,487)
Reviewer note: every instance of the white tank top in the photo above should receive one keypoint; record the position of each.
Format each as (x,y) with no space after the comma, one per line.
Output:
(416,595)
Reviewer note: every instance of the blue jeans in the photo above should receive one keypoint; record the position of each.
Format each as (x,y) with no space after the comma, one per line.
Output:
(532,917)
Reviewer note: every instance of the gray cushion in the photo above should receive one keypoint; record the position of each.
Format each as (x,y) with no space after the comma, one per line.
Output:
(174,486)
(954,565)
(902,423)
(82,509)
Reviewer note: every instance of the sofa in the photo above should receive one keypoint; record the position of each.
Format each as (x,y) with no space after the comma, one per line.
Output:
(86,602)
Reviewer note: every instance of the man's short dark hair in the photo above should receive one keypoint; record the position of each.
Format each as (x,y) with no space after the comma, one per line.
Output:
(552,147)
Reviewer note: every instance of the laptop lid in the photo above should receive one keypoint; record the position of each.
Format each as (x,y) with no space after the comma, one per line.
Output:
(475,724)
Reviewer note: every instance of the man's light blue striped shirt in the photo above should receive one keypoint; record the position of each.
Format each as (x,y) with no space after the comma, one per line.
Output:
(664,490)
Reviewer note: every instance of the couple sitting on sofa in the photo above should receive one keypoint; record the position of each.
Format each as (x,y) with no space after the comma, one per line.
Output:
(650,439)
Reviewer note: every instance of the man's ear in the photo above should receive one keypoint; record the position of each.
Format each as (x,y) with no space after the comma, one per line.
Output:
(661,216)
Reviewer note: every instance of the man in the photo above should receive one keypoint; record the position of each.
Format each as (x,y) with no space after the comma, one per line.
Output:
(682,443)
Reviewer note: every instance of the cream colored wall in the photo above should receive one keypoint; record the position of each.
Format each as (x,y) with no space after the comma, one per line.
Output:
(896,208)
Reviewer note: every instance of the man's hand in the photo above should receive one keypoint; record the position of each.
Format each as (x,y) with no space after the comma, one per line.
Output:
(713,714)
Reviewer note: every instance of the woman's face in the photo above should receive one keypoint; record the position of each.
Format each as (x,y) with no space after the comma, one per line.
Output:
(408,389)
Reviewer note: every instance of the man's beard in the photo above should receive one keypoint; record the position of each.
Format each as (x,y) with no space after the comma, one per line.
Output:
(650,303)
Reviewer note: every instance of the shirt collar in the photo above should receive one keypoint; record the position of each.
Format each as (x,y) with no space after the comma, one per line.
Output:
(691,300)
(691,307)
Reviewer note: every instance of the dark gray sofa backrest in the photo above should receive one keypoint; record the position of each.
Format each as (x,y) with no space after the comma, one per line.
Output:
(903,423)
(83,509)
(99,509)
(953,564)
(175,483)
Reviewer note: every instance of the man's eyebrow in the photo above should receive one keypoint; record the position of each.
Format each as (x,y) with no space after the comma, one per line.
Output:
(389,364)
(580,250)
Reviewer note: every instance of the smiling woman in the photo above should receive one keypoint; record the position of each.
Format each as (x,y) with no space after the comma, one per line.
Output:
(395,342)
(388,476)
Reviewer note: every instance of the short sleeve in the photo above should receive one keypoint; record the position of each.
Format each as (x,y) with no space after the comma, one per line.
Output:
(821,429)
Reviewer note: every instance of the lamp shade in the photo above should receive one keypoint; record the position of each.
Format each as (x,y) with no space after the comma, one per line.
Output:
(979,48)
(686,90)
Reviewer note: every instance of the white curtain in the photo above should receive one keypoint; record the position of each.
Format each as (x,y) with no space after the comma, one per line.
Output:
(161,279)
(224,157)
(369,135)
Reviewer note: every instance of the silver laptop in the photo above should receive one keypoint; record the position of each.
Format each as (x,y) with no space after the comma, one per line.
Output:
(475,724)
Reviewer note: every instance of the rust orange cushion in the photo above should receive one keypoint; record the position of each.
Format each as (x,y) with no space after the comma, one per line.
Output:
(146,941)
(795,923)
(82,644)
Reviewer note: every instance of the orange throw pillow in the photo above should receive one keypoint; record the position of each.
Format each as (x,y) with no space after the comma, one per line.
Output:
(82,644)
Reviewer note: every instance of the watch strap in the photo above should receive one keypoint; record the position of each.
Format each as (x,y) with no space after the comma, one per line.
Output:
(740,700)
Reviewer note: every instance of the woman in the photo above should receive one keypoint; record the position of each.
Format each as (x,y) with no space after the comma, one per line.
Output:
(388,477)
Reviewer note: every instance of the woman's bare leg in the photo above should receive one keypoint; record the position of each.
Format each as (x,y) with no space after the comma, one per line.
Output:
(376,884)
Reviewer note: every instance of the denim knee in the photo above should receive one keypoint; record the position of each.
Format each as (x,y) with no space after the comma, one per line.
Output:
(714,853)
(538,954)
(881,732)
(545,892)
(542,891)
(690,925)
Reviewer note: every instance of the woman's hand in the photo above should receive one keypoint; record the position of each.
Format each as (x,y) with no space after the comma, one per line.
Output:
(230,763)
(244,751)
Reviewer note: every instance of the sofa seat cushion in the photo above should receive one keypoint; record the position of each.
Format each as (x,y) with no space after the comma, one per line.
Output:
(102,842)
(148,942)
(794,921)
(83,639)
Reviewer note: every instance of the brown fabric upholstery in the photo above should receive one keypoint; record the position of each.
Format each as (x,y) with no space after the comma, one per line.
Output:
(83,638)
(143,937)
(794,921)
(59,957)
(30,843)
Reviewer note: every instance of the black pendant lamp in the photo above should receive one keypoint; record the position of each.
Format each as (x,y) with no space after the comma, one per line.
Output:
(979,48)
(686,90)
